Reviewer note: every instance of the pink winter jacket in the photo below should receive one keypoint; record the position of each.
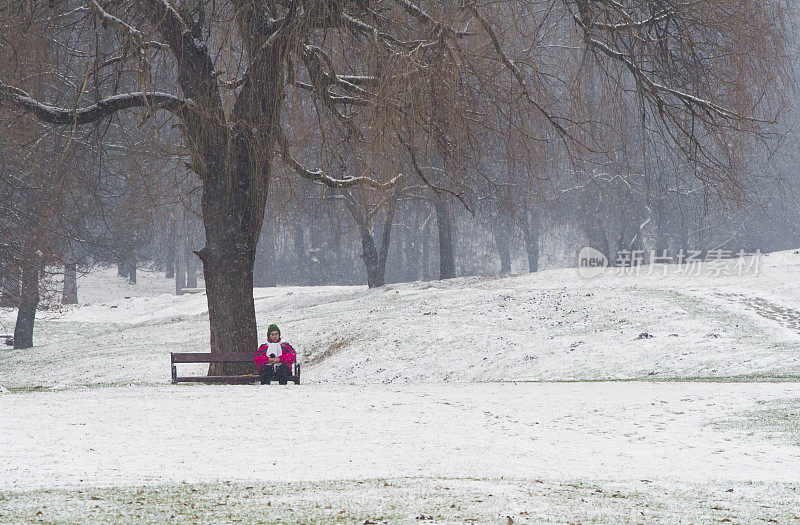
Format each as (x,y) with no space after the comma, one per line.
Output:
(261,356)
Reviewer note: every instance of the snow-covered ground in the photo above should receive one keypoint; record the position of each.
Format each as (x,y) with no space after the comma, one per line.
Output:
(534,397)
(548,326)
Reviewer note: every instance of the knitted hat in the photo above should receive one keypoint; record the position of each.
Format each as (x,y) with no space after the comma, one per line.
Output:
(273,328)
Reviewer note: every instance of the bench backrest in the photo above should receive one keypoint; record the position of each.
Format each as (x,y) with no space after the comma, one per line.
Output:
(235,357)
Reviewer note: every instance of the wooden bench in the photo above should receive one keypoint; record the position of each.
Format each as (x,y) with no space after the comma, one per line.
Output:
(236,357)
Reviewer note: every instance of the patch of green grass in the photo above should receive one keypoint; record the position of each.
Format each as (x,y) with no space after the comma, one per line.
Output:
(24,389)
(696,307)
(83,386)
(776,418)
(375,500)
(114,384)
(672,379)
(403,500)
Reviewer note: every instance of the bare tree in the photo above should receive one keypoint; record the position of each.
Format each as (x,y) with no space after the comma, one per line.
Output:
(701,70)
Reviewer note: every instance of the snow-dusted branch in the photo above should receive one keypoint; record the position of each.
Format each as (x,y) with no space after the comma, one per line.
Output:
(417,12)
(625,26)
(320,176)
(97,111)
(134,34)
(593,36)
(656,89)
(367,30)
(115,22)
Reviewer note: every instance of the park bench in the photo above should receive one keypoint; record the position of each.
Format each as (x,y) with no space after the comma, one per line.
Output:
(236,357)
(9,339)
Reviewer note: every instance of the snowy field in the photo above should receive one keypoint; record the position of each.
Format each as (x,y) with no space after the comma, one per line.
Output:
(473,400)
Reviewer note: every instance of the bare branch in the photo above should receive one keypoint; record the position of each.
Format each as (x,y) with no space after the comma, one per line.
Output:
(385,38)
(322,80)
(134,34)
(654,88)
(115,22)
(438,190)
(321,177)
(512,67)
(418,13)
(586,22)
(99,110)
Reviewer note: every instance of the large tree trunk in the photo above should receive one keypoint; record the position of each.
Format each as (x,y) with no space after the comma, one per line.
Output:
(132,272)
(180,255)
(337,271)
(593,226)
(316,256)
(530,231)
(386,234)
(191,262)
(170,256)
(370,255)
(368,250)
(411,250)
(683,222)
(594,229)
(70,295)
(231,310)
(374,257)
(447,266)
(228,260)
(29,301)
(501,227)
(426,252)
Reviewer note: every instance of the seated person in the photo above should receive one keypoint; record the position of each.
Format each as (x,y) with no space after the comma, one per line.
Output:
(274,358)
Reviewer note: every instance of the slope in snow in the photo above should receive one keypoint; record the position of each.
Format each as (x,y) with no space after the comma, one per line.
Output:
(553,325)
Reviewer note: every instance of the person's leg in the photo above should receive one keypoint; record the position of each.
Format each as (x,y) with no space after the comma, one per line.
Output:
(266,375)
(283,373)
